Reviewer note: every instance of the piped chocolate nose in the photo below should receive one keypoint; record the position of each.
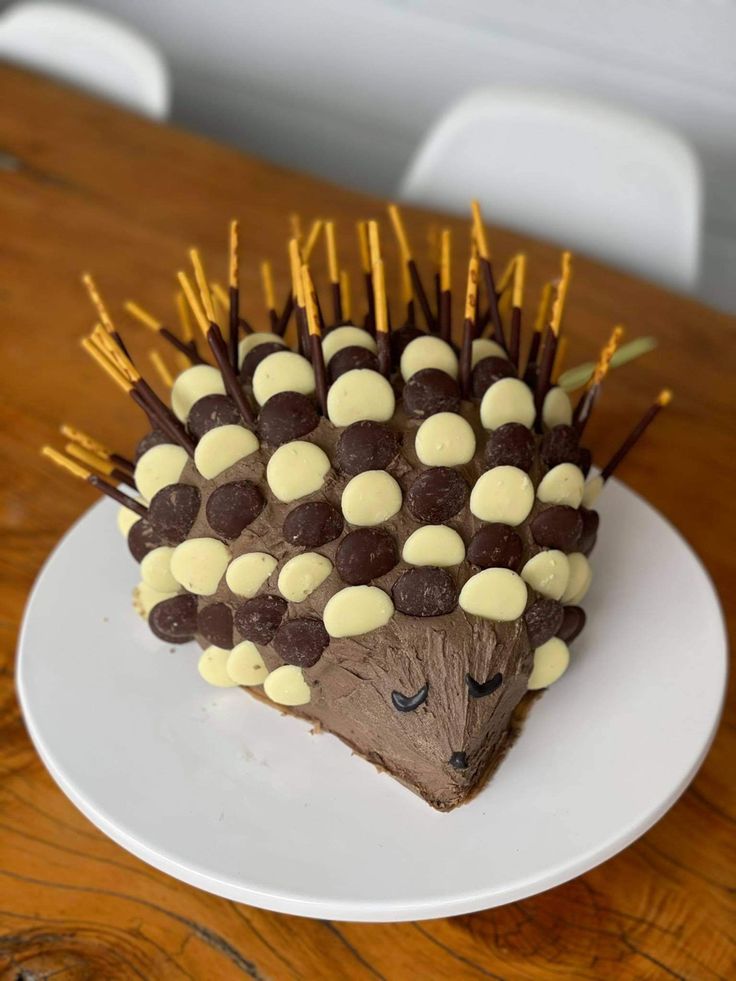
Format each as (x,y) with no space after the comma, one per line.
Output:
(459,761)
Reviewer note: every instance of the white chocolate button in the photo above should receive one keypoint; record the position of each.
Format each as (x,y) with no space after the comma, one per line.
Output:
(557,408)
(145,598)
(245,666)
(156,570)
(370,498)
(296,469)
(360,394)
(286,686)
(250,341)
(192,385)
(199,564)
(504,494)
(548,573)
(484,347)
(212,665)
(357,610)
(592,490)
(246,574)
(445,440)
(562,484)
(282,371)
(347,336)
(302,575)
(507,400)
(158,467)
(428,352)
(221,447)
(495,594)
(434,545)
(550,663)
(580,577)
(126,519)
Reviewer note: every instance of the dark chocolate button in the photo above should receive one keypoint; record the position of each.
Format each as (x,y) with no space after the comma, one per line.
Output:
(286,416)
(154,438)
(301,642)
(215,624)
(232,507)
(174,620)
(437,495)
(254,357)
(173,511)
(495,546)
(366,554)
(366,445)
(349,359)
(258,619)
(312,524)
(430,391)
(210,412)
(401,338)
(511,445)
(559,445)
(487,372)
(559,526)
(591,520)
(573,621)
(425,592)
(543,620)
(143,538)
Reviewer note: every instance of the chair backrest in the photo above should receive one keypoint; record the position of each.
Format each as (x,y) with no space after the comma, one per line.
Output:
(605,181)
(87,49)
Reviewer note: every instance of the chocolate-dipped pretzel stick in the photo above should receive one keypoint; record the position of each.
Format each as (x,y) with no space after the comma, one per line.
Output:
(484,253)
(471,308)
(346,296)
(333,268)
(517,300)
(663,399)
(99,464)
(365,261)
(289,304)
(161,368)
(297,290)
(95,446)
(408,259)
(77,470)
(544,311)
(315,339)
(222,298)
(144,317)
(592,390)
(383,311)
(233,283)
(269,293)
(549,346)
(102,311)
(204,314)
(434,241)
(444,303)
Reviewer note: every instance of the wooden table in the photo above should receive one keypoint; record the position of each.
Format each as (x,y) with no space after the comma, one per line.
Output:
(83,185)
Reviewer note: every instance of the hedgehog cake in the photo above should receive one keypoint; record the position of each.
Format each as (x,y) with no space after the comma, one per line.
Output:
(372,529)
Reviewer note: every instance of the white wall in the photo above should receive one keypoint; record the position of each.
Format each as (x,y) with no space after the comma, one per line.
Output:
(346,88)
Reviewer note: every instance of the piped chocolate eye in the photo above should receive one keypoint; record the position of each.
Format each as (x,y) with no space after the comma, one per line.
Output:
(407,703)
(480,690)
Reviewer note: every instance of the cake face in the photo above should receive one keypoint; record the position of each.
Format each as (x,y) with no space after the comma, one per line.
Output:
(400,572)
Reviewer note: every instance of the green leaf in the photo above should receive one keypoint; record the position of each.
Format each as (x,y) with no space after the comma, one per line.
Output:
(575,378)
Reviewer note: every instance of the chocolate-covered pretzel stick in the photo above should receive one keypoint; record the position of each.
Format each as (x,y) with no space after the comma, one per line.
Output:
(333,269)
(487,270)
(315,339)
(82,473)
(408,259)
(445,286)
(587,400)
(95,446)
(471,307)
(269,294)
(144,317)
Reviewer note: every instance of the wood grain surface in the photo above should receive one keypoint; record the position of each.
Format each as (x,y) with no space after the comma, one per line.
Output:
(85,186)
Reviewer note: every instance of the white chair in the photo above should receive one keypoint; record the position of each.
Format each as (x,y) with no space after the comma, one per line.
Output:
(582,173)
(89,50)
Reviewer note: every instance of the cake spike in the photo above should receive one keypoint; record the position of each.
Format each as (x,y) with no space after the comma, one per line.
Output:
(517,301)
(471,308)
(83,439)
(595,485)
(102,311)
(82,473)
(445,286)
(383,318)
(592,390)
(315,339)
(333,268)
(288,308)
(161,368)
(365,262)
(408,259)
(487,270)
(94,462)
(345,293)
(551,337)
(233,284)
(297,289)
(269,294)
(144,317)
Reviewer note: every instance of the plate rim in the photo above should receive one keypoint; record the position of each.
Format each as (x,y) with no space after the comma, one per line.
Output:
(368,910)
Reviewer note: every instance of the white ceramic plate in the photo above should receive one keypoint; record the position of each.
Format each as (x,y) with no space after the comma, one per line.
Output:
(224,793)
